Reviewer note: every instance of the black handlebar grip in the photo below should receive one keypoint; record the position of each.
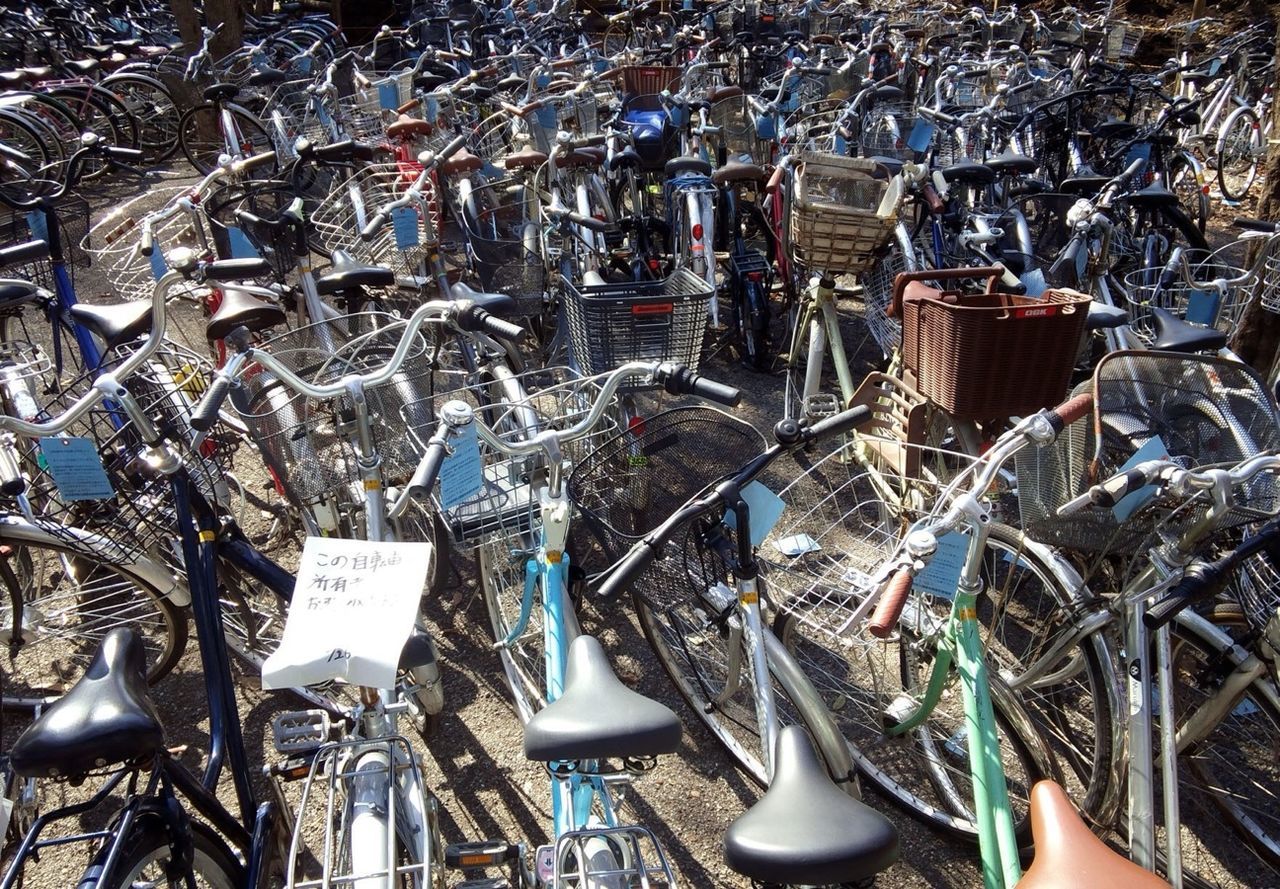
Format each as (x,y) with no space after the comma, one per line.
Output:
(1118,487)
(680,380)
(840,423)
(599,225)
(1256,225)
(1200,579)
(20,254)
(452,148)
(205,415)
(501,328)
(116,152)
(427,471)
(1068,256)
(628,571)
(236,269)
(374,225)
(248,218)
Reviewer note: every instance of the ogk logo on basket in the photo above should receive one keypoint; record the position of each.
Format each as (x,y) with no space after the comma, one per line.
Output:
(1035,312)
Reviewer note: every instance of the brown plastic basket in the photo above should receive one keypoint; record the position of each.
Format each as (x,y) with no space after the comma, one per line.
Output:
(988,355)
(648,80)
(835,224)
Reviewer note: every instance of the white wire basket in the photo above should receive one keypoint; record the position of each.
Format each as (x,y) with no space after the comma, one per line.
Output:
(115,243)
(1210,302)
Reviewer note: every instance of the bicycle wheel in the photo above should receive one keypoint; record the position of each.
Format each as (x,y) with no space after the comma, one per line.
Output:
(694,628)
(1185,183)
(1239,148)
(151,105)
(203,141)
(65,599)
(147,858)
(1228,781)
(37,142)
(502,578)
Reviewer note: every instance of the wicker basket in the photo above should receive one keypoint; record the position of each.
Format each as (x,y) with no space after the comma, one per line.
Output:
(837,221)
(988,355)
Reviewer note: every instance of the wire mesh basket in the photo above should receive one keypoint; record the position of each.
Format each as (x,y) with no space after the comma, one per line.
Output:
(21,226)
(138,516)
(611,324)
(1199,410)
(968,91)
(1256,586)
(877,294)
(115,243)
(647,80)
(310,445)
(1122,40)
(1267,288)
(1209,302)
(635,481)
(505,240)
(738,131)
(886,132)
(516,407)
(839,214)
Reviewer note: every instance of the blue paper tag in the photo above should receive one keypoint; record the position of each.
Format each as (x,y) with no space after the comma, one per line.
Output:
(921,136)
(1215,66)
(39,225)
(304,65)
(942,575)
(1154,449)
(388,95)
(158,267)
(1141,150)
(404,222)
(765,128)
(842,145)
(1034,282)
(543,80)
(1202,307)
(322,114)
(430,109)
(764,508)
(461,475)
(76,468)
(241,247)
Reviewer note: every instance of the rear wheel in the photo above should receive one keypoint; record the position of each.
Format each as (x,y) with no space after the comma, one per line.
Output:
(201,136)
(1239,148)
(147,856)
(151,105)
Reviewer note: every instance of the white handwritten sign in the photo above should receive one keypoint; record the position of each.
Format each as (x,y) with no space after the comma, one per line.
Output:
(352,611)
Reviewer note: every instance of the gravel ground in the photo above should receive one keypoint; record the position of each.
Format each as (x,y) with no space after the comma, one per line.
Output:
(475,764)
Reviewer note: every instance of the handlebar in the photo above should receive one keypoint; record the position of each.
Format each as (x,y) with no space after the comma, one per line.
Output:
(429,163)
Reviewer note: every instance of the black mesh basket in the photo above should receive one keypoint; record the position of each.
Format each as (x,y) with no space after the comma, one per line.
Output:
(505,242)
(21,226)
(1205,410)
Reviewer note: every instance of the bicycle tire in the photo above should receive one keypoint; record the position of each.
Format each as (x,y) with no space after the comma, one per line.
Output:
(162,625)
(1239,147)
(1185,183)
(152,106)
(203,150)
(96,116)
(34,140)
(147,848)
(502,563)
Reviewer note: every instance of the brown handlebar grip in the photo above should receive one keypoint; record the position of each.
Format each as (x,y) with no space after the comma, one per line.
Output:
(1074,408)
(411,105)
(900,283)
(889,608)
(775,180)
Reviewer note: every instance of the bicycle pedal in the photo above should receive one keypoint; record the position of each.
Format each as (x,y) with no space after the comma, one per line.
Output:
(480,854)
(485,883)
(821,404)
(301,731)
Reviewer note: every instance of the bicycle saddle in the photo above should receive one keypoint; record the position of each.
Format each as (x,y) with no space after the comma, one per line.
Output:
(12,80)
(1012,164)
(598,717)
(720,93)
(1115,129)
(1175,335)
(970,173)
(240,309)
(106,718)
(407,127)
(1069,856)
(1153,196)
(500,304)
(527,158)
(82,67)
(627,157)
(15,293)
(220,91)
(805,829)
(115,324)
(347,274)
(268,77)
(429,82)
(1087,184)
(1103,316)
(736,171)
(678,166)
(579,157)
(462,162)
(40,72)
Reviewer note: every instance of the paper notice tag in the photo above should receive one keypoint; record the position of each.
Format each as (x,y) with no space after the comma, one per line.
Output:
(921,136)
(6,812)
(1202,307)
(388,95)
(430,109)
(1154,449)
(764,508)
(353,608)
(942,575)
(241,247)
(796,545)
(303,65)
(404,223)
(461,474)
(158,267)
(76,468)
(1034,282)
(39,225)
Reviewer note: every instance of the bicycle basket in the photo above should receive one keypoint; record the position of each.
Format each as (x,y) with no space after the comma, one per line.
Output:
(115,244)
(308,444)
(611,324)
(1209,302)
(501,223)
(839,215)
(1203,409)
(21,226)
(635,480)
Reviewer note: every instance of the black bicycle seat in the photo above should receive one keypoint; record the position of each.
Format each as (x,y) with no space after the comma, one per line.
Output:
(1012,164)
(419,650)
(679,166)
(107,718)
(737,171)
(1103,316)
(115,324)
(240,309)
(598,717)
(500,304)
(82,67)
(806,830)
(1087,184)
(1152,197)
(1175,335)
(221,91)
(268,77)
(347,274)
(969,172)
(14,293)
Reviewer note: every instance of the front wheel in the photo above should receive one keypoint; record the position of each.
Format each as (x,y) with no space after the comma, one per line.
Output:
(203,139)
(1239,148)
(752,313)
(147,857)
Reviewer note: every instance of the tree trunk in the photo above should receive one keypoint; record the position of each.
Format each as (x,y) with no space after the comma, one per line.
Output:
(1257,337)
(229,14)
(188,23)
